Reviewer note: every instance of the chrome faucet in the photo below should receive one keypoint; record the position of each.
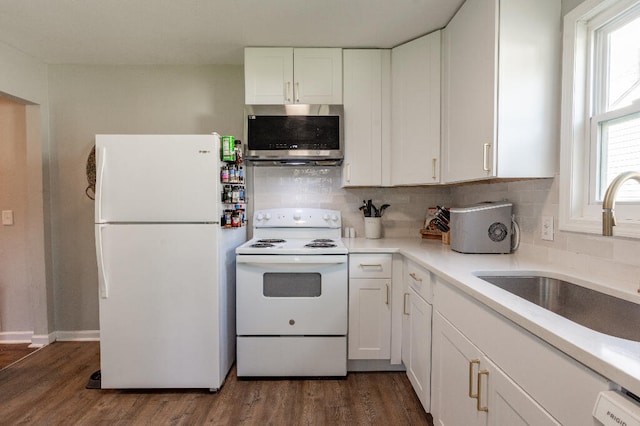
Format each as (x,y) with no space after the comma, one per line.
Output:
(608,204)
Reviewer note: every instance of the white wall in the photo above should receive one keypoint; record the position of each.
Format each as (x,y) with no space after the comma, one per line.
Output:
(87,100)
(24,80)
(14,294)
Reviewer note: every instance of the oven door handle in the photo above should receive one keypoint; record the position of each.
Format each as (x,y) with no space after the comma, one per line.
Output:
(291,260)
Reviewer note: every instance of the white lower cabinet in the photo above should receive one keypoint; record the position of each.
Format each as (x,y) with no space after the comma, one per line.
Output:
(483,394)
(416,330)
(369,319)
(416,345)
(489,371)
(369,306)
(510,405)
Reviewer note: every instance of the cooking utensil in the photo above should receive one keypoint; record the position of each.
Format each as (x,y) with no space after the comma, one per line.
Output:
(370,210)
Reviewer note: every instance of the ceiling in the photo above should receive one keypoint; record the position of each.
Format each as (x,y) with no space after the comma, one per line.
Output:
(207,31)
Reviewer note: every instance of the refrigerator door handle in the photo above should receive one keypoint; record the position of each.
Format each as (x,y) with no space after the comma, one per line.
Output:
(102,277)
(102,159)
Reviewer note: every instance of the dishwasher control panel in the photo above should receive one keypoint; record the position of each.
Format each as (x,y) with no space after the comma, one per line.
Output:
(613,408)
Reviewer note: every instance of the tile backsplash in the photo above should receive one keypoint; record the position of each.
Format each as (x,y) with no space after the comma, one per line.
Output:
(610,261)
(319,187)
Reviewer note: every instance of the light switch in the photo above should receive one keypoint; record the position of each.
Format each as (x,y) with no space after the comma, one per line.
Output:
(7,217)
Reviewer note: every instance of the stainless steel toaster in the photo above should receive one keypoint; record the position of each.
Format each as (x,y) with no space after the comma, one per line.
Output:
(482,228)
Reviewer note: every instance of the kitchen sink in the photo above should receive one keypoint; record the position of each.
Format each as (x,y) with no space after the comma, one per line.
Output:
(592,309)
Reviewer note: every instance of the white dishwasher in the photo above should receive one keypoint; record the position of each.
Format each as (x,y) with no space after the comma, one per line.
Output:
(615,408)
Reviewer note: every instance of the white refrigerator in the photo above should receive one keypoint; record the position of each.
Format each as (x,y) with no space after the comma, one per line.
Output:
(166,266)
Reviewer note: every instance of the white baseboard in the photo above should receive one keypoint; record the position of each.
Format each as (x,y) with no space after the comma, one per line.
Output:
(40,340)
(78,336)
(16,336)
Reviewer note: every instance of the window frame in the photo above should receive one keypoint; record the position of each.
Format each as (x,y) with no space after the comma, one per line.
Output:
(579,212)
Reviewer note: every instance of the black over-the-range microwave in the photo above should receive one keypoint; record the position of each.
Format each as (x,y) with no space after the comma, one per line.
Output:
(294,134)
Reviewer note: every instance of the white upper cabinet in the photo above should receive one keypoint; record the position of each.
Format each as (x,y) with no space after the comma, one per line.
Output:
(367,112)
(284,75)
(501,90)
(415,111)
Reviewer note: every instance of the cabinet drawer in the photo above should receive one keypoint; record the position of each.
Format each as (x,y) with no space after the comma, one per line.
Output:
(419,279)
(369,266)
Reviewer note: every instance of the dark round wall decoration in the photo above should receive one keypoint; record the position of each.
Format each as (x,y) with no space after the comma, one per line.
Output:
(91,174)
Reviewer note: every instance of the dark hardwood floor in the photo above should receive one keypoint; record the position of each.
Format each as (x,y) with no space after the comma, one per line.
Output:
(12,352)
(48,387)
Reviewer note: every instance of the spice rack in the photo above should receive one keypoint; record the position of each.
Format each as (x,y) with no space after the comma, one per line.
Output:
(232,180)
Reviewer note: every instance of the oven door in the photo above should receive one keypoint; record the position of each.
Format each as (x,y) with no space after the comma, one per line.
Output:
(291,295)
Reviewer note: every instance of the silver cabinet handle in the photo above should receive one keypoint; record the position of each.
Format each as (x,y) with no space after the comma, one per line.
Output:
(288,91)
(347,173)
(433,167)
(371,265)
(485,157)
(297,92)
(415,277)
(387,301)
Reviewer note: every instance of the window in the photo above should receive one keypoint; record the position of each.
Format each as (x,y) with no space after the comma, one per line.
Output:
(600,114)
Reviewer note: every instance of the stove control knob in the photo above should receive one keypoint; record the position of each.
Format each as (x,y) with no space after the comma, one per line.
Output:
(326,217)
(334,218)
(297,216)
(267,216)
(259,217)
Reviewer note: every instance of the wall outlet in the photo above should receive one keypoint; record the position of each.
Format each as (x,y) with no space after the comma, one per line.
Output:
(547,228)
(7,217)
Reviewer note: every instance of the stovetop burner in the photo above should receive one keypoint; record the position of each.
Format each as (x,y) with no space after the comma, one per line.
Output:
(315,244)
(262,245)
(322,240)
(272,240)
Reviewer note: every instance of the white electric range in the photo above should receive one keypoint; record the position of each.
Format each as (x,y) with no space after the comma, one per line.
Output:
(292,295)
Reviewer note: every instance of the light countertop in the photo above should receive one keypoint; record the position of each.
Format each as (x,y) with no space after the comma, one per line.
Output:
(616,359)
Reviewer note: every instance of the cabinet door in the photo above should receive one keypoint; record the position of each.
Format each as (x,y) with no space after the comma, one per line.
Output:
(507,403)
(416,353)
(456,362)
(268,75)
(366,78)
(469,91)
(415,116)
(370,319)
(318,76)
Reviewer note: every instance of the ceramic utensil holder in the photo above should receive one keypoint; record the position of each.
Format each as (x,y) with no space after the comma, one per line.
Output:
(373,227)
